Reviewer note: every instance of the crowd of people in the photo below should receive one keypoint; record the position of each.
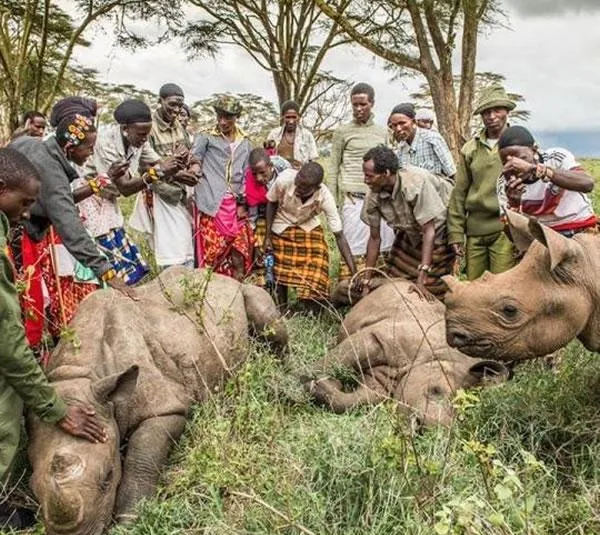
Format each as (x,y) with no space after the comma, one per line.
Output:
(395,200)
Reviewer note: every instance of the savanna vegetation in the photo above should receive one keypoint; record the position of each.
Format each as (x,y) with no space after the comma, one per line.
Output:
(258,458)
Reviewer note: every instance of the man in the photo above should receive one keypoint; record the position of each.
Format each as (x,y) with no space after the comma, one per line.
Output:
(473,210)
(292,141)
(414,145)
(549,185)
(164,213)
(34,125)
(294,232)
(124,144)
(223,236)
(425,118)
(412,201)
(350,142)
(22,381)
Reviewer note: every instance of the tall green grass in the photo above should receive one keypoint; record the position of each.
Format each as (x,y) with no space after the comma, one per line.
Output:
(259,459)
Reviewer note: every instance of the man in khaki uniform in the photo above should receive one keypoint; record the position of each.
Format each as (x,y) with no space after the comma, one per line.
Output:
(413,202)
(22,381)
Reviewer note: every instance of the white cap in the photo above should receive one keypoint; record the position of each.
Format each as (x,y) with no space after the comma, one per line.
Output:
(424,114)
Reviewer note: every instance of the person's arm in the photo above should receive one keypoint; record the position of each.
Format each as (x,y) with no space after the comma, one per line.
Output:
(335,160)
(270,216)
(313,151)
(570,176)
(457,216)
(428,230)
(344,249)
(441,150)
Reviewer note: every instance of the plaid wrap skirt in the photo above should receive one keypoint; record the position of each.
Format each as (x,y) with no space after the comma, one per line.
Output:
(302,262)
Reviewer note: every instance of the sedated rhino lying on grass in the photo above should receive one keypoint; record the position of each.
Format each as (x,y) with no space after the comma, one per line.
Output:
(396,342)
(551,297)
(141,365)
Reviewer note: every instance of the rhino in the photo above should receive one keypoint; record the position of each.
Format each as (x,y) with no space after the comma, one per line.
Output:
(551,297)
(141,365)
(396,343)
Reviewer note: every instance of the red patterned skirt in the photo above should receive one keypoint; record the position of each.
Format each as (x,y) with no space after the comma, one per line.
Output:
(35,264)
(218,239)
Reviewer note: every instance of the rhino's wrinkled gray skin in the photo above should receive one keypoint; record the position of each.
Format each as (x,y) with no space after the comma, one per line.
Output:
(141,364)
(551,297)
(383,339)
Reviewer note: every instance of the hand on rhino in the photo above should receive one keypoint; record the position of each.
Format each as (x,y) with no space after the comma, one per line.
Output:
(396,344)
(80,421)
(140,366)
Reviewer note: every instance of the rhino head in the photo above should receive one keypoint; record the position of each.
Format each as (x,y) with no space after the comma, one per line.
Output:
(535,308)
(74,480)
(428,388)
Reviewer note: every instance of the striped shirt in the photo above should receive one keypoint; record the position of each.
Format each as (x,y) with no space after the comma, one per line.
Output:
(558,208)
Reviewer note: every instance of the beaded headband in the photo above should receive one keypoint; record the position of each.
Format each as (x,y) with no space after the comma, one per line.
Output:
(76,131)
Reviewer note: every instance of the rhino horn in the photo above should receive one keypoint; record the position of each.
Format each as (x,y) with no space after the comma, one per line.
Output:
(64,508)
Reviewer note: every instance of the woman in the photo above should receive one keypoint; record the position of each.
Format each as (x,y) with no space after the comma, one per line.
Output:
(55,228)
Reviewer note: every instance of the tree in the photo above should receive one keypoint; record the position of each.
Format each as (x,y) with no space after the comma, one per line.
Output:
(420,36)
(288,38)
(38,38)
(483,80)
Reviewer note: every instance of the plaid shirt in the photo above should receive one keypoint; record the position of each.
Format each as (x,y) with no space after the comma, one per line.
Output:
(428,150)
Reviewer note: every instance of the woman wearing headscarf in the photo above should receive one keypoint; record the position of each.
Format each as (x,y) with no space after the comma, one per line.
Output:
(55,223)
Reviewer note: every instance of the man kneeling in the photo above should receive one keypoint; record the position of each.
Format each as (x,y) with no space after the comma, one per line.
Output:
(414,203)
(294,233)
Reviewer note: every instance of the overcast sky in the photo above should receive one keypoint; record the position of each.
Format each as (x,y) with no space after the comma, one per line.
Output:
(550,56)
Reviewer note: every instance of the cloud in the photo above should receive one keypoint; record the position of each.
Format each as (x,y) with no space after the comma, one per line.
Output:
(545,8)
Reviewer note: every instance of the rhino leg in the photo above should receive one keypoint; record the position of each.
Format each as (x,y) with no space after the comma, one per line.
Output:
(360,351)
(329,392)
(147,453)
(264,318)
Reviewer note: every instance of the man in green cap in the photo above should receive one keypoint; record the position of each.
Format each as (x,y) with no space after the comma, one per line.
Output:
(22,381)
(222,233)
(473,210)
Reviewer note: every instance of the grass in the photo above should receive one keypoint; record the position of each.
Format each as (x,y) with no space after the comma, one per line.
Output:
(258,459)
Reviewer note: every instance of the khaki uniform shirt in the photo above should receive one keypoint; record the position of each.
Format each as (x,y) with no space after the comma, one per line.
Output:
(414,201)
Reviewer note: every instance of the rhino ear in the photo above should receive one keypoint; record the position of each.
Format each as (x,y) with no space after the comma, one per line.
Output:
(488,371)
(559,247)
(520,232)
(119,386)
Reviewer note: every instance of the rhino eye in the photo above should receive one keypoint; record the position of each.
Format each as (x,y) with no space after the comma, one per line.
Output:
(435,391)
(107,479)
(510,311)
